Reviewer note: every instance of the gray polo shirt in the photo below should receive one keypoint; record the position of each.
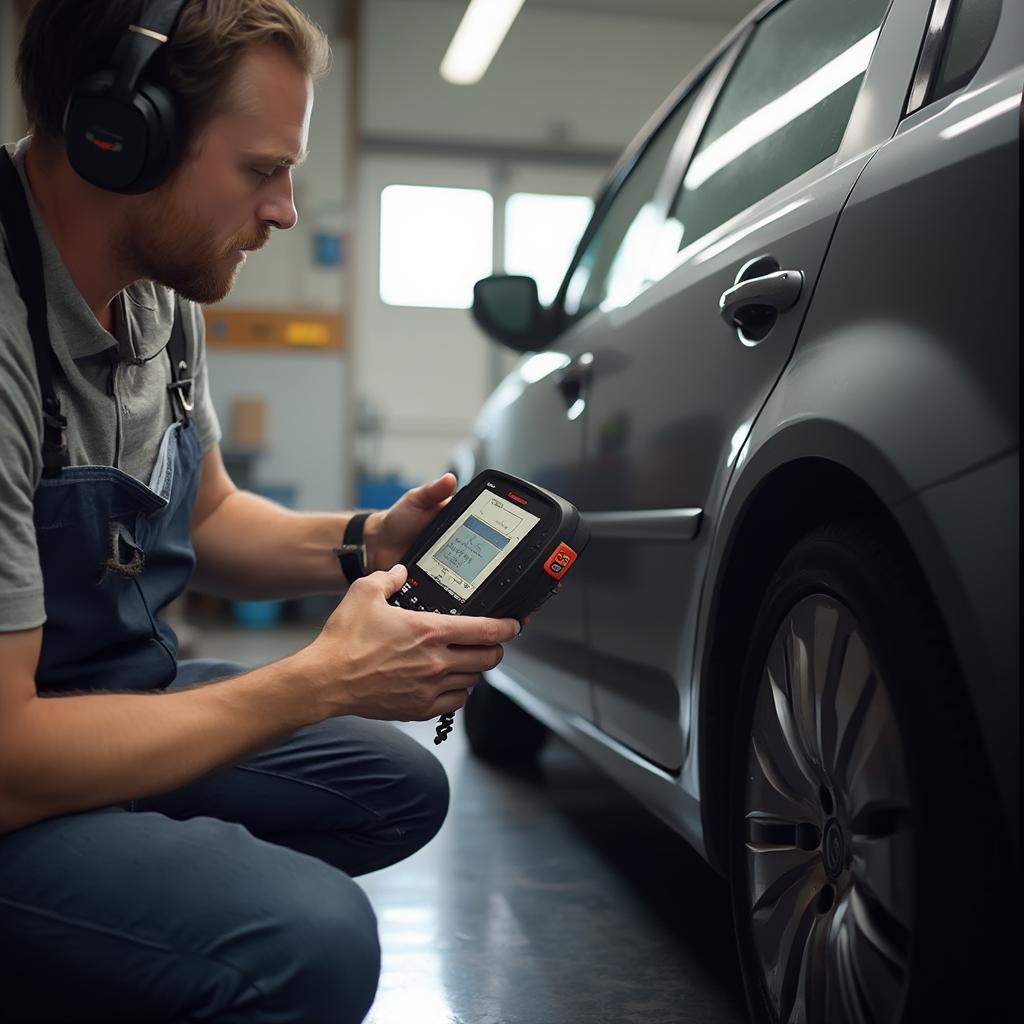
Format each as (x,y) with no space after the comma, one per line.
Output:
(113,391)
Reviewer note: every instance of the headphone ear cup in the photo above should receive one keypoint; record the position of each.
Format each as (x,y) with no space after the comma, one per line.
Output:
(118,146)
(164,136)
(103,136)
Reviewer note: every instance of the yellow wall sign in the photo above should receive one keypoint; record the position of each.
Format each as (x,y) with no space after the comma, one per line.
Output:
(237,328)
(306,332)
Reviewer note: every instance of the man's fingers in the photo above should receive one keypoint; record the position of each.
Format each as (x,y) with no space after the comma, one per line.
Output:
(384,582)
(474,659)
(477,631)
(428,496)
(451,700)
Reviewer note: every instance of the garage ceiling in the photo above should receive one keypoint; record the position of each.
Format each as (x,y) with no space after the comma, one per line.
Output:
(720,11)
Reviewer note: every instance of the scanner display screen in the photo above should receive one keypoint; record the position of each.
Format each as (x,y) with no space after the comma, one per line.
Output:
(466,554)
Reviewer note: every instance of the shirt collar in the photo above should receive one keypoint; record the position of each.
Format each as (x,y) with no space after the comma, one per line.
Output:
(143,312)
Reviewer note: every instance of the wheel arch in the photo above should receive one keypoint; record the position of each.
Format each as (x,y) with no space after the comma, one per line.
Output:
(787,502)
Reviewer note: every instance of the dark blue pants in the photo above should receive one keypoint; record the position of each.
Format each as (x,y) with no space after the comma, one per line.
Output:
(227,900)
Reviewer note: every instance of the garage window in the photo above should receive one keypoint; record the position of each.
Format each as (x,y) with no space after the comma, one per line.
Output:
(541,235)
(435,244)
(783,110)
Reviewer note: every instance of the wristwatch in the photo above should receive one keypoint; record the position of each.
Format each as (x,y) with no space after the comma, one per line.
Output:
(352,553)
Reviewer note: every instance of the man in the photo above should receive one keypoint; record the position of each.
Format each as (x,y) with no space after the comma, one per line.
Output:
(176,845)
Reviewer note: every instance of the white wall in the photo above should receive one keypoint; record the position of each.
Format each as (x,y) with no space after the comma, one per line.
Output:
(309,410)
(307,437)
(284,273)
(561,80)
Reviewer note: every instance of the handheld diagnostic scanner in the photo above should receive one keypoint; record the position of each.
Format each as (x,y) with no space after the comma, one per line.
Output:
(500,548)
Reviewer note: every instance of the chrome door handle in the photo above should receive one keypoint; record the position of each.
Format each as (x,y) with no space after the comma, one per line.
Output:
(573,383)
(778,291)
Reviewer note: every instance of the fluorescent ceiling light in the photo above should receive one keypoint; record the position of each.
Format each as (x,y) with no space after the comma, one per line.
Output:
(477,39)
(777,114)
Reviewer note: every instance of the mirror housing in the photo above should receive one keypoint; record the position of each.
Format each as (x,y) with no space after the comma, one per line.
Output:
(507,308)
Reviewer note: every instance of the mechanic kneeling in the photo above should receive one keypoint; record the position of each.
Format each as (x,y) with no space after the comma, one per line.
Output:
(178,839)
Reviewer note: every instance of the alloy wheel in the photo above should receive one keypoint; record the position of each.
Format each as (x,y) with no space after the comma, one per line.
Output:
(829,847)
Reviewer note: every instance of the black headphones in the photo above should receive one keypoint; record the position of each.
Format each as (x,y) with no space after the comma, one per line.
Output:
(121,132)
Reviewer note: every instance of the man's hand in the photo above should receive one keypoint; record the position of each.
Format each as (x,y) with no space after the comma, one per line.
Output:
(389,534)
(377,661)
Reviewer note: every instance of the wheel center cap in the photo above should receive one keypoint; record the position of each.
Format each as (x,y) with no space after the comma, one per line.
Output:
(833,848)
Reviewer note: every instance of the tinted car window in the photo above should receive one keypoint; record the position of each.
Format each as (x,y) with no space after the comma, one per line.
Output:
(970,34)
(783,109)
(616,254)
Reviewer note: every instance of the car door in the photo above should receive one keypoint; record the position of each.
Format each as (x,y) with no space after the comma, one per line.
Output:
(532,426)
(670,388)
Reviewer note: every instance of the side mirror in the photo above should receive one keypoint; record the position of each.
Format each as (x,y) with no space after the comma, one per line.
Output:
(507,308)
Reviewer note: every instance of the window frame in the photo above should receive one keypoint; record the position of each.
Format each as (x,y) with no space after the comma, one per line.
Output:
(711,76)
(809,174)
(704,83)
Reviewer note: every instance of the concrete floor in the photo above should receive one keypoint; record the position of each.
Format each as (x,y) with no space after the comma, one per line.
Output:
(548,897)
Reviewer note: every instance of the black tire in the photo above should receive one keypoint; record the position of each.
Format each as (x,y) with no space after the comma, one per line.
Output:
(883,899)
(499,730)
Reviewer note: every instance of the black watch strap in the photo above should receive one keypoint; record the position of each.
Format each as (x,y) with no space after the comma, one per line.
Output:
(352,553)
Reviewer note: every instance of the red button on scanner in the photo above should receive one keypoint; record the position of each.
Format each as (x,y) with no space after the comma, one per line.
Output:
(557,563)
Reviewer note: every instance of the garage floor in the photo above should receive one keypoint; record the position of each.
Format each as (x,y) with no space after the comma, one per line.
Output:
(548,897)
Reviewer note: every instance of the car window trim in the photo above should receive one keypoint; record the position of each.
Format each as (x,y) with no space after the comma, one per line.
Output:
(693,129)
(727,50)
(818,170)
(931,53)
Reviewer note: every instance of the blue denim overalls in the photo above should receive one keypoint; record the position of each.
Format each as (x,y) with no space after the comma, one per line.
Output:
(113,552)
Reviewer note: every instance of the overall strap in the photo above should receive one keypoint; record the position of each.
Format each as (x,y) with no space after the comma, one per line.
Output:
(27,268)
(182,386)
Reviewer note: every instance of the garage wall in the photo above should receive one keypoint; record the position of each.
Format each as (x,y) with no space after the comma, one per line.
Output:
(547,117)
(306,393)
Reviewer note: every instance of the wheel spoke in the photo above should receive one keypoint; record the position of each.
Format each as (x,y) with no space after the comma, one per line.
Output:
(811,994)
(788,735)
(880,930)
(876,783)
(769,793)
(846,999)
(805,682)
(880,966)
(774,869)
(795,951)
(856,687)
(829,654)
(783,883)
(884,865)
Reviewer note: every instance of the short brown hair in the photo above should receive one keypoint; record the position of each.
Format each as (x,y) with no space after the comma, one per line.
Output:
(66,40)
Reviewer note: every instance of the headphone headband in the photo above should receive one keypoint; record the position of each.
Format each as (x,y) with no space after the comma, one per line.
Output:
(122,132)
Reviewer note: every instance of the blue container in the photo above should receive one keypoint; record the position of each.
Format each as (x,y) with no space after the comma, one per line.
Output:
(380,492)
(257,614)
(264,614)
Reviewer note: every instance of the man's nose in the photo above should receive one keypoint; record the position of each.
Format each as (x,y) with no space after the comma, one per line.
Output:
(278,209)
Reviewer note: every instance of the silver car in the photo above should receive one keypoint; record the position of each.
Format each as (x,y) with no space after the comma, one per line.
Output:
(780,379)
